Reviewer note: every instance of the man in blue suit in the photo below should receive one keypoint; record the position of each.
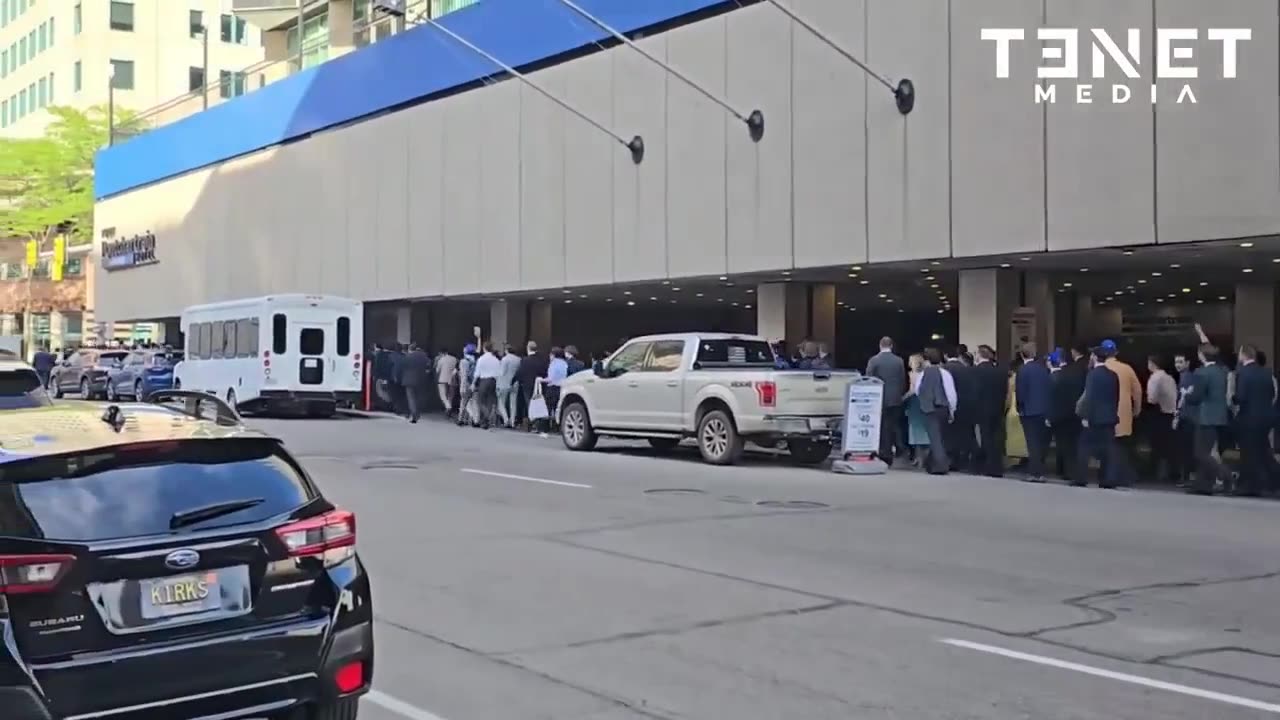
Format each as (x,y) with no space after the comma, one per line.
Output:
(1255,397)
(1209,402)
(1099,410)
(1033,389)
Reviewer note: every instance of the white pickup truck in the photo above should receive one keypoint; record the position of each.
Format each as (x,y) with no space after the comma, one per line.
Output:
(719,389)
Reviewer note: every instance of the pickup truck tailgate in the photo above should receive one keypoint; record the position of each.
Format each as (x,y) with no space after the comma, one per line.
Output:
(803,392)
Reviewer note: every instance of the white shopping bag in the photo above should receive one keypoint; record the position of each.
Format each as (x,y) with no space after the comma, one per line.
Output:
(538,404)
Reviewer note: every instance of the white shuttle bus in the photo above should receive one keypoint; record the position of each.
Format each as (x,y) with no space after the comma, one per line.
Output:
(298,352)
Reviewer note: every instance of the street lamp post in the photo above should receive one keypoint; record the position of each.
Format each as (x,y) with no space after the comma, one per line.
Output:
(111,104)
(204,72)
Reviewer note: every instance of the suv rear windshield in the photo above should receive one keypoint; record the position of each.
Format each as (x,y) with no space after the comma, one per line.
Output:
(21,389)
(136,491)
(735,352)
(166,360)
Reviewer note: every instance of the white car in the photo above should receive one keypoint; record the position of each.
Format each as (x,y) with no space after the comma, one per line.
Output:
(720,389)
(20,386)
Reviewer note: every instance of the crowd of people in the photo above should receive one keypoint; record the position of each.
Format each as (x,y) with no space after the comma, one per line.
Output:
(487,386)
(957,411)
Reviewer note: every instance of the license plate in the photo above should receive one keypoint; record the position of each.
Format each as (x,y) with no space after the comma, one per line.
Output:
(180,595)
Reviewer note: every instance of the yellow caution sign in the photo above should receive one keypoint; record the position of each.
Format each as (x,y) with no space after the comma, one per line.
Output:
(59,258)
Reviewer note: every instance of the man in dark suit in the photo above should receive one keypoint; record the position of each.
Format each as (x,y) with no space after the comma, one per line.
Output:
(1034,393)
(962,432)
(992,388)
(937,403)
(415,373)
(1208,398)
(1068,386)
(890,370)
(1255,398)
(1099,410)
(1184,423)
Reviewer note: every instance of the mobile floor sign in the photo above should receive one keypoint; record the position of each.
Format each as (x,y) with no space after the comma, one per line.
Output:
(860,435)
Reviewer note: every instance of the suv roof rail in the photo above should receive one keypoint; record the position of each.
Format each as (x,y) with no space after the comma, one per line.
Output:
(194,402)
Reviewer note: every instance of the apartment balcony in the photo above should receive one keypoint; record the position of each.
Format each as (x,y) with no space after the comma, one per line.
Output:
(272,14)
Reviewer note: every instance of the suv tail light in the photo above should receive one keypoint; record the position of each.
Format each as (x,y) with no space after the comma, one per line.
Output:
(26,574)
(331,536)
(767,393)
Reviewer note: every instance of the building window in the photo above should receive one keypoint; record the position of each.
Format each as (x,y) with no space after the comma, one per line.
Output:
(195,23)
(76,77)
(75,267)
(50,32)
(122,15)
(195,78)
(42,37)
(4,61)
(234,30)
(76,19)
(122,74)
(230,84)
(50,88)
(315,40)
(4,113)
(42,93)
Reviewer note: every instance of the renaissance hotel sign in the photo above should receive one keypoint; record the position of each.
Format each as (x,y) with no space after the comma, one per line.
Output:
(129,252)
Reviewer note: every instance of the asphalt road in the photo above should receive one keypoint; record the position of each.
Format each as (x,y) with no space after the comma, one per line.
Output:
(514,579)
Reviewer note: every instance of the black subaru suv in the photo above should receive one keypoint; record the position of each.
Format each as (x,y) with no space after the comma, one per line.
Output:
(160,560)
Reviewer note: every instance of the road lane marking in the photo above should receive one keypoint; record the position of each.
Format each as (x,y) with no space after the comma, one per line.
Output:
(399,706)
(525,478)
(1118,676)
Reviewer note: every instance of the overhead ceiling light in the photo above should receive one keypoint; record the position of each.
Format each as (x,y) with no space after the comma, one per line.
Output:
(719,299)
(1203,284)
(725,277)
(626,292)
(1084,269)
(666,282)
(1004,265)
(1186,290)
(1247,270)
(839,302)
(889,300)
(566,292)
(751,291)
(1222,297)
(940,311)
(882,295)
(1067,285)
(582,296)
(1275,260)
(734,304)
(1142,282)
(1160,300)
(1024,259)
(856,268)
(608,299)
(1157,274)
(1175,266)
(784,272)
(540,298)
(864,282)
(673,302)
(747,307)
(675,289)
(568,301)
(654,299)
(935,263)
(631,303)
(934,286)
(699,295)
(1199,302)
(1128,252)
(1246,245)
(924,270)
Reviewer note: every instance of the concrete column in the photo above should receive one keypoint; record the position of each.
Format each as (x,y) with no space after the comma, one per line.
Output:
(822,315)
(341,28)
(404,324)
(1039,296)
(1255,319)
(508,322)
(540,324)
(986,303)
(782,312)
(57,329)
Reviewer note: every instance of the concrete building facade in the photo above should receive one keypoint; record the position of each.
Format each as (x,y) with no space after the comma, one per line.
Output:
(980,202)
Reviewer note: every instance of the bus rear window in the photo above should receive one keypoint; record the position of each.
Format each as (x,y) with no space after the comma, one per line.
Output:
(344,336)
(279,334)
(735,352)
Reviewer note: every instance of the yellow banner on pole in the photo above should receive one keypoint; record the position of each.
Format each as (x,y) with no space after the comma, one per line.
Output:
(59,258)
(33,253)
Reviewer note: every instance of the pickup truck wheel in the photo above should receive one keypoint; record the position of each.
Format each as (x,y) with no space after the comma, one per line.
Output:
(664,444)
(809,452)
(575,428)
(718,439)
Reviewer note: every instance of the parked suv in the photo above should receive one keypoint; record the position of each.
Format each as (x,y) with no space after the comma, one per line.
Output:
(141,373)
(85,372)
(162,560)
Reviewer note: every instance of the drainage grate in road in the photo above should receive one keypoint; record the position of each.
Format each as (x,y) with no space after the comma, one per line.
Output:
(793,504)
(388,466)
(674,491)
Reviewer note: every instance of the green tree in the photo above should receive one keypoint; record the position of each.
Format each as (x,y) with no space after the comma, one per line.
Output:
(46,183)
